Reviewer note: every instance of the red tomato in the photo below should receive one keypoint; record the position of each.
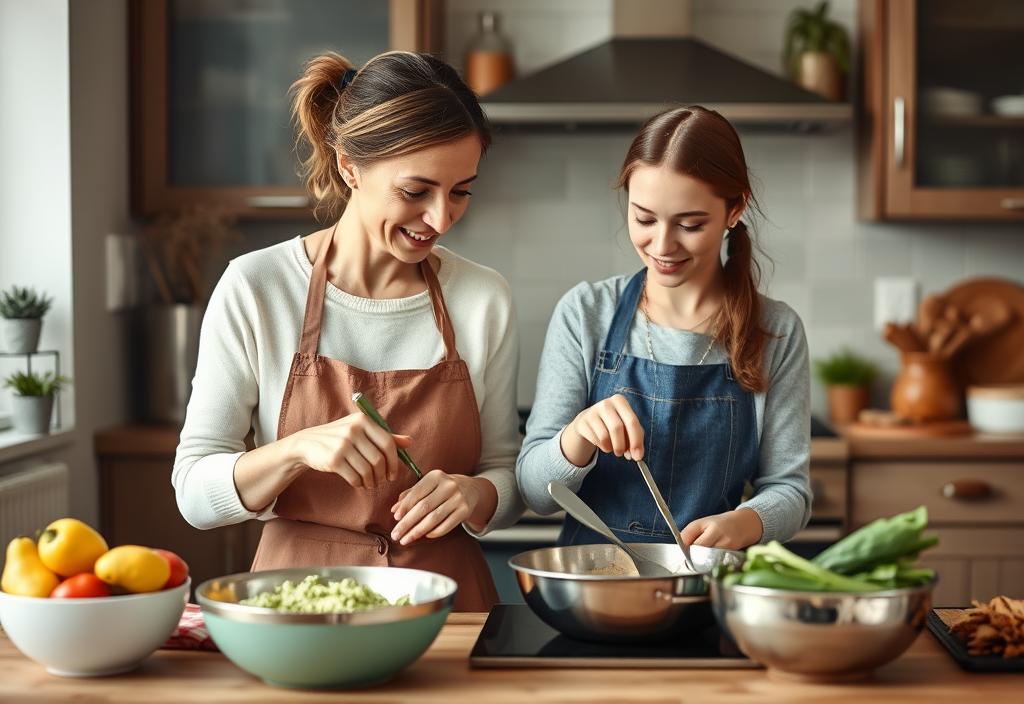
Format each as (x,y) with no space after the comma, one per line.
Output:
(179,568)
(81,586)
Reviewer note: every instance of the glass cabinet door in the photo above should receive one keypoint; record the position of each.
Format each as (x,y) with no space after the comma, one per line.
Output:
(211,105)
(230,65)
(956,73)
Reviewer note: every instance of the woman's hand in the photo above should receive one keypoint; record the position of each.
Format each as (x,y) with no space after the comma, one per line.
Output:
(732,530)
(610,425)
(354,447)
(439,502)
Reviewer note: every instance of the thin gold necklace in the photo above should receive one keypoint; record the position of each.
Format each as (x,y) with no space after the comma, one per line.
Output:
(647,329)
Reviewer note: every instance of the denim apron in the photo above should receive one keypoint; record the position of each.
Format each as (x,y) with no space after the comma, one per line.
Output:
(700,439)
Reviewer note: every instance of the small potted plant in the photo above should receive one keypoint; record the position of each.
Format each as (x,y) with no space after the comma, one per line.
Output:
(32,405)
(22,310)
(817,51)
(847,377)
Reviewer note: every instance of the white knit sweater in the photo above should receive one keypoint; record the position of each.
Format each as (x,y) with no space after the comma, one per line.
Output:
(251,330)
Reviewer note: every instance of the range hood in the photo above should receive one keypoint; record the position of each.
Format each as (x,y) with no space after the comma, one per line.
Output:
(626,80)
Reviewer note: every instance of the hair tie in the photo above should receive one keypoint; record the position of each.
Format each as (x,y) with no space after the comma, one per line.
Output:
(347,78)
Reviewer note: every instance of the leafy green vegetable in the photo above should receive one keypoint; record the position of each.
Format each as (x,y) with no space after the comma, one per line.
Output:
(881,555)
(881,541)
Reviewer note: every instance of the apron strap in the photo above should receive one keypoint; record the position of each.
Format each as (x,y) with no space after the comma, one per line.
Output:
(625,312)
(310,340)
(444,322)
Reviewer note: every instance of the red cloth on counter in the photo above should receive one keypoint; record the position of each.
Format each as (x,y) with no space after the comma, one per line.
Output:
(191,633)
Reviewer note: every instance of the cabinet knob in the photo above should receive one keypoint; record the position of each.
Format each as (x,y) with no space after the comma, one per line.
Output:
(969,489)
(1012,203)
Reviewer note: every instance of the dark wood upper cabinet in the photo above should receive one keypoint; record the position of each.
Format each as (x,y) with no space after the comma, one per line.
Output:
(942,110)
(210,108)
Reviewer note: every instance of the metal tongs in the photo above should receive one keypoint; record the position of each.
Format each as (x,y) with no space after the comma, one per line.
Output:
(645,472)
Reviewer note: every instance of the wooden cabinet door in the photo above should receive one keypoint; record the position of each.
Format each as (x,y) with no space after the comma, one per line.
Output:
(937,141)
(976,563)
(210,104)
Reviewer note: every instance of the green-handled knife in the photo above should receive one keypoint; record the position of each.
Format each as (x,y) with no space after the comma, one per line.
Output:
(366,407)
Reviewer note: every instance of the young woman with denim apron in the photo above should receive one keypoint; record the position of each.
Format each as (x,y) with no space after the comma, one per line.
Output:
(683,364)
(370,304)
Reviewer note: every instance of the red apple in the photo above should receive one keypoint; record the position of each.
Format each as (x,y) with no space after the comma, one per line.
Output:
(179,568)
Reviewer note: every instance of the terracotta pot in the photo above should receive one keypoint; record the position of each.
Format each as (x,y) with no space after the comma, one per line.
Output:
(925,390)
(845,402)
(819,73)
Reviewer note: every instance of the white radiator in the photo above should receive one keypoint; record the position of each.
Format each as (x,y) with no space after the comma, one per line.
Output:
(31,499)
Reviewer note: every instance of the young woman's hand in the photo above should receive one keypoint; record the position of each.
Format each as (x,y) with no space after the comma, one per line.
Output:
(439,502)
(732,530)
(610,425)
(354,447)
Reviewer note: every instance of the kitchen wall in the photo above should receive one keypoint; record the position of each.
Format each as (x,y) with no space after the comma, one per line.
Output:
(545,215)
(63,187)
(35,190)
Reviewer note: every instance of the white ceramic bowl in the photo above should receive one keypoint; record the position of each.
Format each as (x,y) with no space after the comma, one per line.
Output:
(92,637)
(996,409)
(1008,105)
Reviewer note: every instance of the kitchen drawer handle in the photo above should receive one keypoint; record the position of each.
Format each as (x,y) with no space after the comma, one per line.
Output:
(969,489)
(899,129)
(1012,203)
(278,201)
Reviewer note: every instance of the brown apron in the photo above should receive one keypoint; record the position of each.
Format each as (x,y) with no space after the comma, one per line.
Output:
(322,520)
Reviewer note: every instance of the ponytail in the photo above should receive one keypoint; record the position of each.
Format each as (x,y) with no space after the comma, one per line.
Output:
(315,98)
(739,329)
(397,103)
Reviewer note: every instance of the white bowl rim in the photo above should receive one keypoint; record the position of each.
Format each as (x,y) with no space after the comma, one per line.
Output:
(121,598)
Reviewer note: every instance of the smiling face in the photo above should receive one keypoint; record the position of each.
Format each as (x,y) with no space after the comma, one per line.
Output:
(407,203)
(676,224)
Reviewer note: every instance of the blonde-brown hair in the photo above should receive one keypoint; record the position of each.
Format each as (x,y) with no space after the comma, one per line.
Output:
(398,103)
(701,143)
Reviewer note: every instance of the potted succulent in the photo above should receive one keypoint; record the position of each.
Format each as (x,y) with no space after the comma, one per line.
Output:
(22,310)
(32,404)
(817,51)
(847,377)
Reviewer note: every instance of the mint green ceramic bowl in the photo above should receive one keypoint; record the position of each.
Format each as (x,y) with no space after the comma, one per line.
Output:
(320,651)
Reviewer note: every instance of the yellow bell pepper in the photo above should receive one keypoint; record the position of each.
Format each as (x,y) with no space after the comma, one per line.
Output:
(70,547)
(24,573)
(134,568)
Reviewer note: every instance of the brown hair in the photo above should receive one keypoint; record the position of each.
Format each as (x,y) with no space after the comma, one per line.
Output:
(398,103)
(702,144)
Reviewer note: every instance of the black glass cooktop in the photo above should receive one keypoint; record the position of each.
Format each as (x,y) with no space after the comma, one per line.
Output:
(514,636)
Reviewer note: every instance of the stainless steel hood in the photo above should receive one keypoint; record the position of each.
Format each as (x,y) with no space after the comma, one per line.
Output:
(626,80)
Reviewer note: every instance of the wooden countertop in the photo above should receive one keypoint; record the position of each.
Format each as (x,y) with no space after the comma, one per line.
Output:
(924,673)
(864,445)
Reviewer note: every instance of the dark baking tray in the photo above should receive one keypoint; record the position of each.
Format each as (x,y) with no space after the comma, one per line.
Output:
(957,648)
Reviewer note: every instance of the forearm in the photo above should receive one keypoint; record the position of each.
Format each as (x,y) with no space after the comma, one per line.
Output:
(263,473)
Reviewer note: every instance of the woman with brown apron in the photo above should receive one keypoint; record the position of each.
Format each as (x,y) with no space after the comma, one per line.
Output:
(427,336)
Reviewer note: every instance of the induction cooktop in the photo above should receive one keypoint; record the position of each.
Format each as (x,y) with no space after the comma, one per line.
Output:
(513,636)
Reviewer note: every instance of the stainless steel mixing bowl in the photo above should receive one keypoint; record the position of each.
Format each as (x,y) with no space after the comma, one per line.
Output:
(821,635)
(592,592)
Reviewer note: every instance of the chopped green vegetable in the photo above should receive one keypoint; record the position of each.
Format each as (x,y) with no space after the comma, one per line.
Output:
(313,596)
(881,555)
(884,540)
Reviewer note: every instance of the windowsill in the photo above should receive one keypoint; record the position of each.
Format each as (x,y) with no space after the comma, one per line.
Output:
(14,446)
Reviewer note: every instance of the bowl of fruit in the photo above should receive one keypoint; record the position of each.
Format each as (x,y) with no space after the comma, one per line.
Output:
(82,609)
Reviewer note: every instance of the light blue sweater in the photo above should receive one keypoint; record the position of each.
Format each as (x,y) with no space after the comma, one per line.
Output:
(782,495)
